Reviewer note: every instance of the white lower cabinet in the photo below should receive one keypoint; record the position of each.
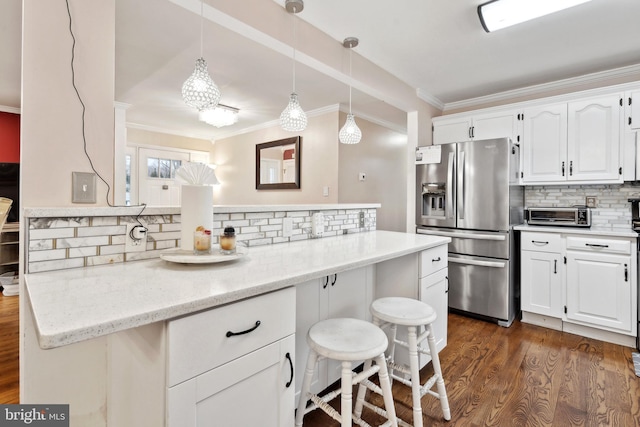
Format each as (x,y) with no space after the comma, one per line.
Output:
(586,282)
(345,294)
(221,359)
(219,396)
(599,290)
(542,269)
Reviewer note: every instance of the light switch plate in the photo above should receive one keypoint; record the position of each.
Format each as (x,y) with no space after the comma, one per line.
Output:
(83,187)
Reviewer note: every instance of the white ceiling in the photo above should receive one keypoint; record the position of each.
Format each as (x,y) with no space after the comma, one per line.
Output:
(437,47)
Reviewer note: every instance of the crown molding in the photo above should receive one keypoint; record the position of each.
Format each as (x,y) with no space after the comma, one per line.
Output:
(7,109)
(430,99)
(570,83)
(375,120)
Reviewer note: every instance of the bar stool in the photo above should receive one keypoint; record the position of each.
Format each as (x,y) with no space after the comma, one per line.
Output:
(394,311)
(347,340)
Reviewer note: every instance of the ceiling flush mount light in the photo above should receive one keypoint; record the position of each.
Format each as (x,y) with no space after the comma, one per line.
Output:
(199,90)
(350,132)
(221,115)
(498,14)
(293,118)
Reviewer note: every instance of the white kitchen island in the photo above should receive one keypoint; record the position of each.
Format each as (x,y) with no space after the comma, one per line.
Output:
(110,340)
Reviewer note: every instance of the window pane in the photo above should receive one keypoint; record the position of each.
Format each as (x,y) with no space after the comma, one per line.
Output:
(152,167)
(165,168)
(176,166)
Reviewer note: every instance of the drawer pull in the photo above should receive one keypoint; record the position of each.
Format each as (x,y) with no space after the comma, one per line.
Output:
(231,334)
(288,356)
(436,259)
(335,278)
(539,242)
(593,245)
(326,282)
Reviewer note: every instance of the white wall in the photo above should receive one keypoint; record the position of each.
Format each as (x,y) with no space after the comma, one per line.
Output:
(51,126)
(381,156)
(235,158)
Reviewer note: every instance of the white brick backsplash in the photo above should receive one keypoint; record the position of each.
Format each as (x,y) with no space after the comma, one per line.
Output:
(612,210)
(61,243)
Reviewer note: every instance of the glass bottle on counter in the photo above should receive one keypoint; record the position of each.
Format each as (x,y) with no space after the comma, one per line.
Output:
(228,241)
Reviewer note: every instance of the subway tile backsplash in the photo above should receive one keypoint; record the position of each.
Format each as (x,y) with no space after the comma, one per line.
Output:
(78,242)
(612,210)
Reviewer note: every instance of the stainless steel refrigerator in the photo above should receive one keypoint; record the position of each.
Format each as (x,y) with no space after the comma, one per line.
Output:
(469,191)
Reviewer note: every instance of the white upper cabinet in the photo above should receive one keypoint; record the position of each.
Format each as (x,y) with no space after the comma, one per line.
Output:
(476,127)
(452,130)
(632,116)
(545,143)
(573,142)
(594,139)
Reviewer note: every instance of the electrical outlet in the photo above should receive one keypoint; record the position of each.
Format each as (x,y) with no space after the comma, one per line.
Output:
(591,201)
(317,224)
(136,238)
(361,219)
(83,187)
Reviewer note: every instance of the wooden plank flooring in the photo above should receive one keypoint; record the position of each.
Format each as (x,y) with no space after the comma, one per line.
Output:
(524,375)
(519,376)
(9,363)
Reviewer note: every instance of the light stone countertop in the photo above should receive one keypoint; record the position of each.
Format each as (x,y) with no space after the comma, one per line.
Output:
(79,304)
(592,231)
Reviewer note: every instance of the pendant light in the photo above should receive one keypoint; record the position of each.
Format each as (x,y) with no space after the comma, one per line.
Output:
(350,132)
(199,90)
(293,118)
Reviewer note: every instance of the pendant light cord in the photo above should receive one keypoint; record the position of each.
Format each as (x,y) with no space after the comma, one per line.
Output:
(350,79)
(294,49)
(201,26)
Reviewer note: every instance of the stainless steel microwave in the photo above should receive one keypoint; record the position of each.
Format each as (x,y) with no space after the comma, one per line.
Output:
(577,216)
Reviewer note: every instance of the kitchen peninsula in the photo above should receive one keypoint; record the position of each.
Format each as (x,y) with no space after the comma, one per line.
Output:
(122,343)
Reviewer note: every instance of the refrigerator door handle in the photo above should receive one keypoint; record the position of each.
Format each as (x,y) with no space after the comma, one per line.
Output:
(478,263)
(475,236)
(461,184)
(450,186)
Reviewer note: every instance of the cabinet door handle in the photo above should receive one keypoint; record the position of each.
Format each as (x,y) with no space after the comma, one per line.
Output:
(571,168)
(326,282)
(593,245)
(335,278)
(447,290)
(562,168)
(436,259)
(626,273)
(231,334)
(288,356)
(555,266)
(539,242)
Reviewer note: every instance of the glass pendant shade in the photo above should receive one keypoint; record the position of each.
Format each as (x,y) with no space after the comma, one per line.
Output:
(350,132)
(199,90)
(293,118)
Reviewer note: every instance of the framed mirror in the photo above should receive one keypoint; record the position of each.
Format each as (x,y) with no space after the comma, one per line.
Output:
(278,164)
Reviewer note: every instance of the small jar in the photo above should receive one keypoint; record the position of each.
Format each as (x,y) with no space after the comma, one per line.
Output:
(202,242)
(228,241)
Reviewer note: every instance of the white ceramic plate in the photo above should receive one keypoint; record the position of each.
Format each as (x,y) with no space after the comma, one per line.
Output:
(188,257)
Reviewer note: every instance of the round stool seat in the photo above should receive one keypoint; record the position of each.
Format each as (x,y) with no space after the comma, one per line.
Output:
(347,339)
(403,311)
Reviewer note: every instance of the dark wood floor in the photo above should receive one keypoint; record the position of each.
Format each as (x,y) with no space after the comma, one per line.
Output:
(524,375)
(9,364)
(519,376)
